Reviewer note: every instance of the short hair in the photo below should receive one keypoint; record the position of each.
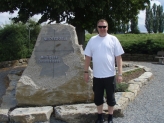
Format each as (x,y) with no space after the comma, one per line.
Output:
(102,20)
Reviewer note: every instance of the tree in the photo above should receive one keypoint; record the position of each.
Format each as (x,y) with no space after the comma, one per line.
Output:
(155,18)
(134,25)
(148,19)
(161,19)
(14,41)
(83,14)
(122,28)
(125,27)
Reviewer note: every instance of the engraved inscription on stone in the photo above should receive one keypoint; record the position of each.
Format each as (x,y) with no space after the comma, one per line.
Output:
(54,45)
(48,59)
(55,38)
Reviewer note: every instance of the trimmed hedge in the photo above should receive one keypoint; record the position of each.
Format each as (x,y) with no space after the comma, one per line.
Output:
(138,43)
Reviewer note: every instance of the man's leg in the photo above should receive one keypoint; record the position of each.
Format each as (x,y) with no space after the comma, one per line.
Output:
(100,109)
(100,118)
(110,110)
(98,89)
(110,114)
(110,89)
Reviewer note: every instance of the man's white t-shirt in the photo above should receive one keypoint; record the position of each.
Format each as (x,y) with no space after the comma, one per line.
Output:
(103,51)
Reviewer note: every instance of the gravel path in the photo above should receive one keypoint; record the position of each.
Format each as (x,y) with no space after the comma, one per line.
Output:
(3,73)
(147,107)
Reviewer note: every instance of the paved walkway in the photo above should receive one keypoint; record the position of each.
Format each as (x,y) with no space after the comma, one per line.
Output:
(2,84)
(3,73)
(148,106)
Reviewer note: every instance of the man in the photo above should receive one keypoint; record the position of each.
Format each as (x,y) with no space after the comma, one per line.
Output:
(103,49)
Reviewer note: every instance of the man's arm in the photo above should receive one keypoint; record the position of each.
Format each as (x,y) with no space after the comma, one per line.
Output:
(86,66)
(119,66)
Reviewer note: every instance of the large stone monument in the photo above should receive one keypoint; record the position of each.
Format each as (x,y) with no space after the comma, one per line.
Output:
(54,75)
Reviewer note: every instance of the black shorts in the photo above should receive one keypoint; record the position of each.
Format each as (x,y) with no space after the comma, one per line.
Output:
(104,84)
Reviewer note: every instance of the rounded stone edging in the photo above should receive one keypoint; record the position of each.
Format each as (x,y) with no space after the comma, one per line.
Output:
(78,113)
(123,98)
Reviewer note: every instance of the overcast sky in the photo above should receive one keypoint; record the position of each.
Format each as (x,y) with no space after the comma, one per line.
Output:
(4,17)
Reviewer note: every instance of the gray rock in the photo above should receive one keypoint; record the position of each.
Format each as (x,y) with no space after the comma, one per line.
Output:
(82,113)
(4,115)
(31,115)
(54,75)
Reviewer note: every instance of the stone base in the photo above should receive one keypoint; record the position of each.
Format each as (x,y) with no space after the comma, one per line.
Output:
(82,113)
(31,115)
(4,115)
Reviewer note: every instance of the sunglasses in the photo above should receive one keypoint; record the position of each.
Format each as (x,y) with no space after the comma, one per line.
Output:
(102,27)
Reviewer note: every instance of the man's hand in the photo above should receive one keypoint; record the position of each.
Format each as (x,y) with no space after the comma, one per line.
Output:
(119,79)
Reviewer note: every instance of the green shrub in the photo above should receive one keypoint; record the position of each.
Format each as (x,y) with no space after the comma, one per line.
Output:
(15,43)
(122,87)
(139,43)
(142,43)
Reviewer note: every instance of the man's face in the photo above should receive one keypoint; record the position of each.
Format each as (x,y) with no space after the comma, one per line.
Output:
(102,28)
